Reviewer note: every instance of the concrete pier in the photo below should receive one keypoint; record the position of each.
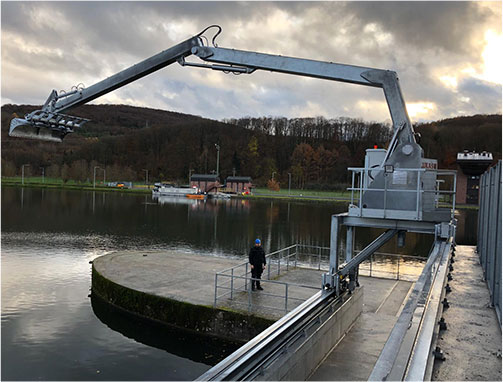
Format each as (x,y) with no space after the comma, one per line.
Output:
(174,288)
(177,288)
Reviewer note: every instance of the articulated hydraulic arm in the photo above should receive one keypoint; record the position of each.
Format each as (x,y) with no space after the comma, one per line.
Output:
(50,124)
(403,151)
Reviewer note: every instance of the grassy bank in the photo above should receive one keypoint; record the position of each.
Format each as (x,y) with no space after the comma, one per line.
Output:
(141,188)
(301,195)
(56,183)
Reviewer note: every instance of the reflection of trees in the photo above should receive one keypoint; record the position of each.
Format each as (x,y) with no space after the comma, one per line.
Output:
(226,227)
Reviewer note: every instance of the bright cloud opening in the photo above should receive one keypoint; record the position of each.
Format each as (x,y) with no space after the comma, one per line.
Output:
(493,57)
(420,109)
(449,81)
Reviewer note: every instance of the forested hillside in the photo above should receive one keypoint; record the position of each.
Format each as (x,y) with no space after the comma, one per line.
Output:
(316,151)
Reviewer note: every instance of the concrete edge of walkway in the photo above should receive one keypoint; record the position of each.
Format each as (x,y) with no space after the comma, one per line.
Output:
(222,323)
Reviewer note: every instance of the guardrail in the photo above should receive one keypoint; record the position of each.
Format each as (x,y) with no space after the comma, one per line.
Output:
(360,187)
(232,283)
(238,278)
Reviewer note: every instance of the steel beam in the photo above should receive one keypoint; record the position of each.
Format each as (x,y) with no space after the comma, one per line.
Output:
(393,359)
(367,251)
(396,224)
(350,239)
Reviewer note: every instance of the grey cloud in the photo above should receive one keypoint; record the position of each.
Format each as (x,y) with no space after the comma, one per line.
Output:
(99,38)
(451,26)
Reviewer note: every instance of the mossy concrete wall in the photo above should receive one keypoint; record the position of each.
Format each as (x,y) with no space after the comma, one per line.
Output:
(200,318)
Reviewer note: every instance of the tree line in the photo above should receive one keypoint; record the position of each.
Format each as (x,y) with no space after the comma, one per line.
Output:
(316,152)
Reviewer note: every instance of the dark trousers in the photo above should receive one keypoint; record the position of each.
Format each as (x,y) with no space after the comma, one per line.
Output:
(256,273)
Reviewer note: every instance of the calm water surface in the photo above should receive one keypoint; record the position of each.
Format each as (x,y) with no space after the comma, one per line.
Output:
(51,330)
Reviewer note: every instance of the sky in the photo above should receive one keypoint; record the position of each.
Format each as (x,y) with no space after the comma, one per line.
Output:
(448,55)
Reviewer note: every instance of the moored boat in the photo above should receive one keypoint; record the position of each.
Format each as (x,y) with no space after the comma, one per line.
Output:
(165,189)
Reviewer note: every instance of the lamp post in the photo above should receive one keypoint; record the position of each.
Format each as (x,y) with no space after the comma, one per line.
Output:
(104,175)
(43,174)
(22,173)
(289,182)
(94,176)
(218,157)
(146,176)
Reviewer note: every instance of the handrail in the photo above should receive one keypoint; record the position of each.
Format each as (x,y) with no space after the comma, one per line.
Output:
(238,278)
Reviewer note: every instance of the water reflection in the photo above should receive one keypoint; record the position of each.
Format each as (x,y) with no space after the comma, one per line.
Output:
(226,227)
(203,349)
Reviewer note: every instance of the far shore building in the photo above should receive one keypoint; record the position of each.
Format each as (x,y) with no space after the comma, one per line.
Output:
(205,182)
(471,166)
(238,184)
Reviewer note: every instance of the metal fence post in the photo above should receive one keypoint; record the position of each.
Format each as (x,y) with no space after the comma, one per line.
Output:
(246,276)
(288,259)
(319,258)
(286,297)
(296,254)
(232,283)
(216,285)
(269,269)
(279,263)
(249,297)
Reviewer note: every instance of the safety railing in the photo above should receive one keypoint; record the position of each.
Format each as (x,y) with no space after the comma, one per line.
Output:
(233,285)
(230,282)
(425,199)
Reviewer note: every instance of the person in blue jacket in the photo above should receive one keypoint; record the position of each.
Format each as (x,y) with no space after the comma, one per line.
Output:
(256,258)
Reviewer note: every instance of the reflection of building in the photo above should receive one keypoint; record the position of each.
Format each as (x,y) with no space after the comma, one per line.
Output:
(205,182)
(238,184)
(472,165)
(165,199)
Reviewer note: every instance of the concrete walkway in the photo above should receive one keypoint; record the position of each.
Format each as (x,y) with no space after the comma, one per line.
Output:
(354,357)
(472,341)
(188,277)
(177,275)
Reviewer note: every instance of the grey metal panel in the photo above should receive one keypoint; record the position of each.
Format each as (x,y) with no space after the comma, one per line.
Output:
(334,249)
(406,225)
(350,239)
(491,254)
(480,214)
(489,233)
(497,263)
(289,65)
